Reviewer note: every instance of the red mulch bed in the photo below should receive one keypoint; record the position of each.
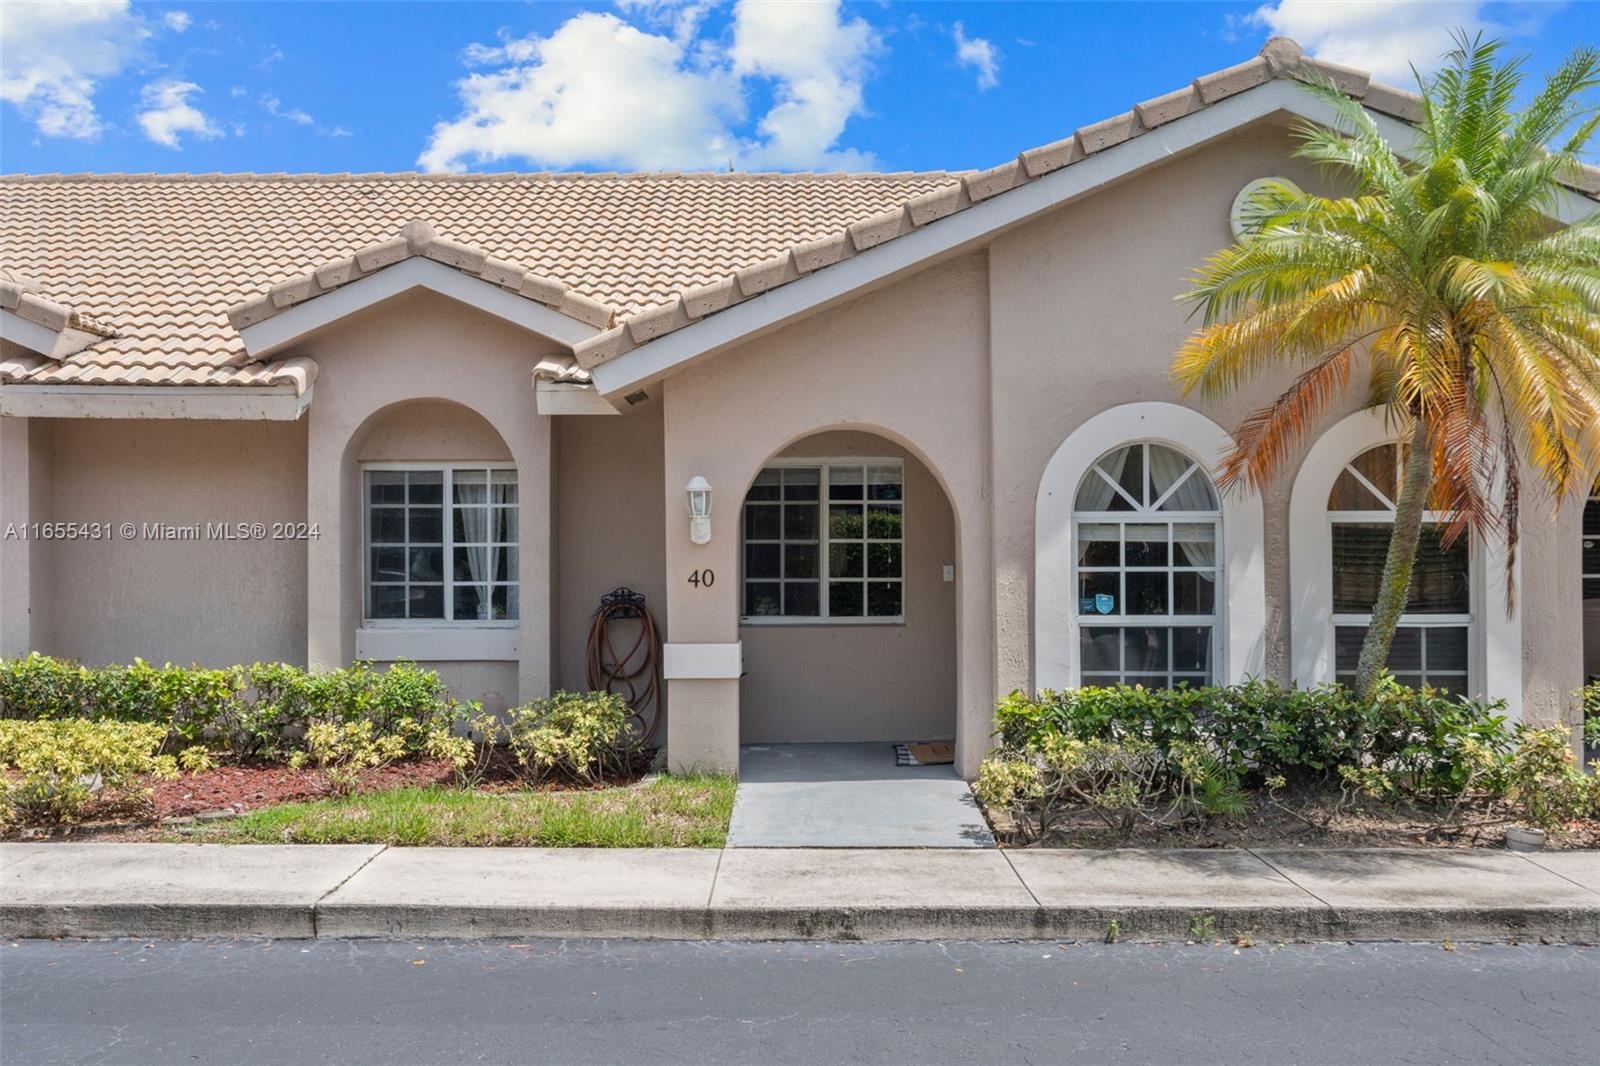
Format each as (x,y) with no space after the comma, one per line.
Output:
(237,789)
(247,788)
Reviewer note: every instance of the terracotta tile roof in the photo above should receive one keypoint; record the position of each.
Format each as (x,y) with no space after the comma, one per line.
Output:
(165,261)
(1280,58)
(164,258)
(21,296)
(419,239)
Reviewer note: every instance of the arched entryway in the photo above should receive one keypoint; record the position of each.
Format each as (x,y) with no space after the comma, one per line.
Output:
(847,595)
(848,619)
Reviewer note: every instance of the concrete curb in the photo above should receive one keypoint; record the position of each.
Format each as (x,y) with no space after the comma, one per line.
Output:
(1136,923)
(299,891)
(158,921)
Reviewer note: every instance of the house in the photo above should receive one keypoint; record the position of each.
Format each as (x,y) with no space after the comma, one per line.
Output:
(315,418)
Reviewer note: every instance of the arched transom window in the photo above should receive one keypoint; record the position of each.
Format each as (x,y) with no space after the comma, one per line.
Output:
(1433,642)
(1146,525)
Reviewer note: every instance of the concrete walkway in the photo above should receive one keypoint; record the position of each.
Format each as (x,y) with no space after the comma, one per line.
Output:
(850,796)
(195,890)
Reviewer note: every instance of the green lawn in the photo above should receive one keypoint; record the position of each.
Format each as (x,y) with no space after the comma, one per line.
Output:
(668,812)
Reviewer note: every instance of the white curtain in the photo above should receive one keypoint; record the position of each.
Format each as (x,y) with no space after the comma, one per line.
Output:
(1166,467)
(1196,542)
(475,527)
(1095,493)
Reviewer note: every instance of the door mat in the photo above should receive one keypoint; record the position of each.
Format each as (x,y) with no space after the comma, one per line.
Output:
(936,753)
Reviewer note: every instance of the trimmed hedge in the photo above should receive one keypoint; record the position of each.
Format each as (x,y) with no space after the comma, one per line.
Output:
(1133,755)
(1264,730)
(256,711)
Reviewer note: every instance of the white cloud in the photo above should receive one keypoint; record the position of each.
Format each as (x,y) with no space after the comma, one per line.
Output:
(1384,37)
(597,90)
(603,91)
(272,55)
(820,64)
(275,108)
(177,21)
(168,113)
(53,57)
(979,54)
(683,17)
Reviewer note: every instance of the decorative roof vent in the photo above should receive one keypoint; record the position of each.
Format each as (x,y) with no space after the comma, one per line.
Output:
(1243,214)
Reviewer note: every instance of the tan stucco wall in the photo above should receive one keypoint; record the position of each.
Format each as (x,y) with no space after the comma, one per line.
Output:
(807,682)
(26,563)
(430,431)
(908,363)
(1550,597)
(977,368)
(421,346)
(211,602)
(610,524)
(1084,319)
(492,684)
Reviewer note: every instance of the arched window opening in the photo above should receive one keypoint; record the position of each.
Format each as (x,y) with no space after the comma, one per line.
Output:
(1591,555)
(1591,600)
(1432,645)
(1146,526)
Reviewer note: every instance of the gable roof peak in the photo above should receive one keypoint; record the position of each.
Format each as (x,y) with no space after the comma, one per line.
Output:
(1282,53)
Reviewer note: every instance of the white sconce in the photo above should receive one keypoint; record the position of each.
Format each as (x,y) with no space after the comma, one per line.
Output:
(699,493)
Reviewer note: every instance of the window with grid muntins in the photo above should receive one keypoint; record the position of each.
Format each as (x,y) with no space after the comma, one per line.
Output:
(1432,644)
(428,559)
(825,541)
(1146,527)
(1591,547)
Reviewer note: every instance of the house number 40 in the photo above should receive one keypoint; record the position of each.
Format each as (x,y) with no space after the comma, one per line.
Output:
(702,578)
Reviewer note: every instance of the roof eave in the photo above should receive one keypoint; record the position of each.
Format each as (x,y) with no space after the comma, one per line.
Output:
(46,339)
(968,228)
(273,403)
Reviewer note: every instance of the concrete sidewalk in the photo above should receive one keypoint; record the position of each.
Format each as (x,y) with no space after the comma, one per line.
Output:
(194,890)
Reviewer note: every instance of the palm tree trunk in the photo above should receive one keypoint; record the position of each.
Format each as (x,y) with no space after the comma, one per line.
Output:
(1395,589)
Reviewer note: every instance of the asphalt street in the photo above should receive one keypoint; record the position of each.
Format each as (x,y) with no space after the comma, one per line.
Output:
(358,1002)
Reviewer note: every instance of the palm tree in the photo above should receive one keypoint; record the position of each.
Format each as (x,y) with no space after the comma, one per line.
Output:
(1443,281)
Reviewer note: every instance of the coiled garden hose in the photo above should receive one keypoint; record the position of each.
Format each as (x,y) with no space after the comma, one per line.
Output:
(635,674)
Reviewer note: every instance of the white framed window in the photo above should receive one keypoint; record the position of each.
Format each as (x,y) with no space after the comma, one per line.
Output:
(1591,547)
(440,543)
(1433,642)
(824,541)
(1146,527)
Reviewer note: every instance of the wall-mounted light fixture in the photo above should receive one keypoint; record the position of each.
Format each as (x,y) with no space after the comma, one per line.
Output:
(699,493)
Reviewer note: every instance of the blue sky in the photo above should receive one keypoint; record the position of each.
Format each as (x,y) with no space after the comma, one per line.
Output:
(694,84)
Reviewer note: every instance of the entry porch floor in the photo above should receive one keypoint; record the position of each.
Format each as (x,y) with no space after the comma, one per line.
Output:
(850,796)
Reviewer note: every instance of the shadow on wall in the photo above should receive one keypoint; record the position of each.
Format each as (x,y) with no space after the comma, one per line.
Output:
(809,680)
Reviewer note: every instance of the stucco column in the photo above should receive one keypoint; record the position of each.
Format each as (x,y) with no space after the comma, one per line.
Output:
(330,626)
(535,518)
(976,614)
(1550,603)
(17,545)
(702,659)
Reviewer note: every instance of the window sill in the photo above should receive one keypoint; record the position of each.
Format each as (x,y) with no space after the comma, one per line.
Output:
(440,643)
(768,621)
